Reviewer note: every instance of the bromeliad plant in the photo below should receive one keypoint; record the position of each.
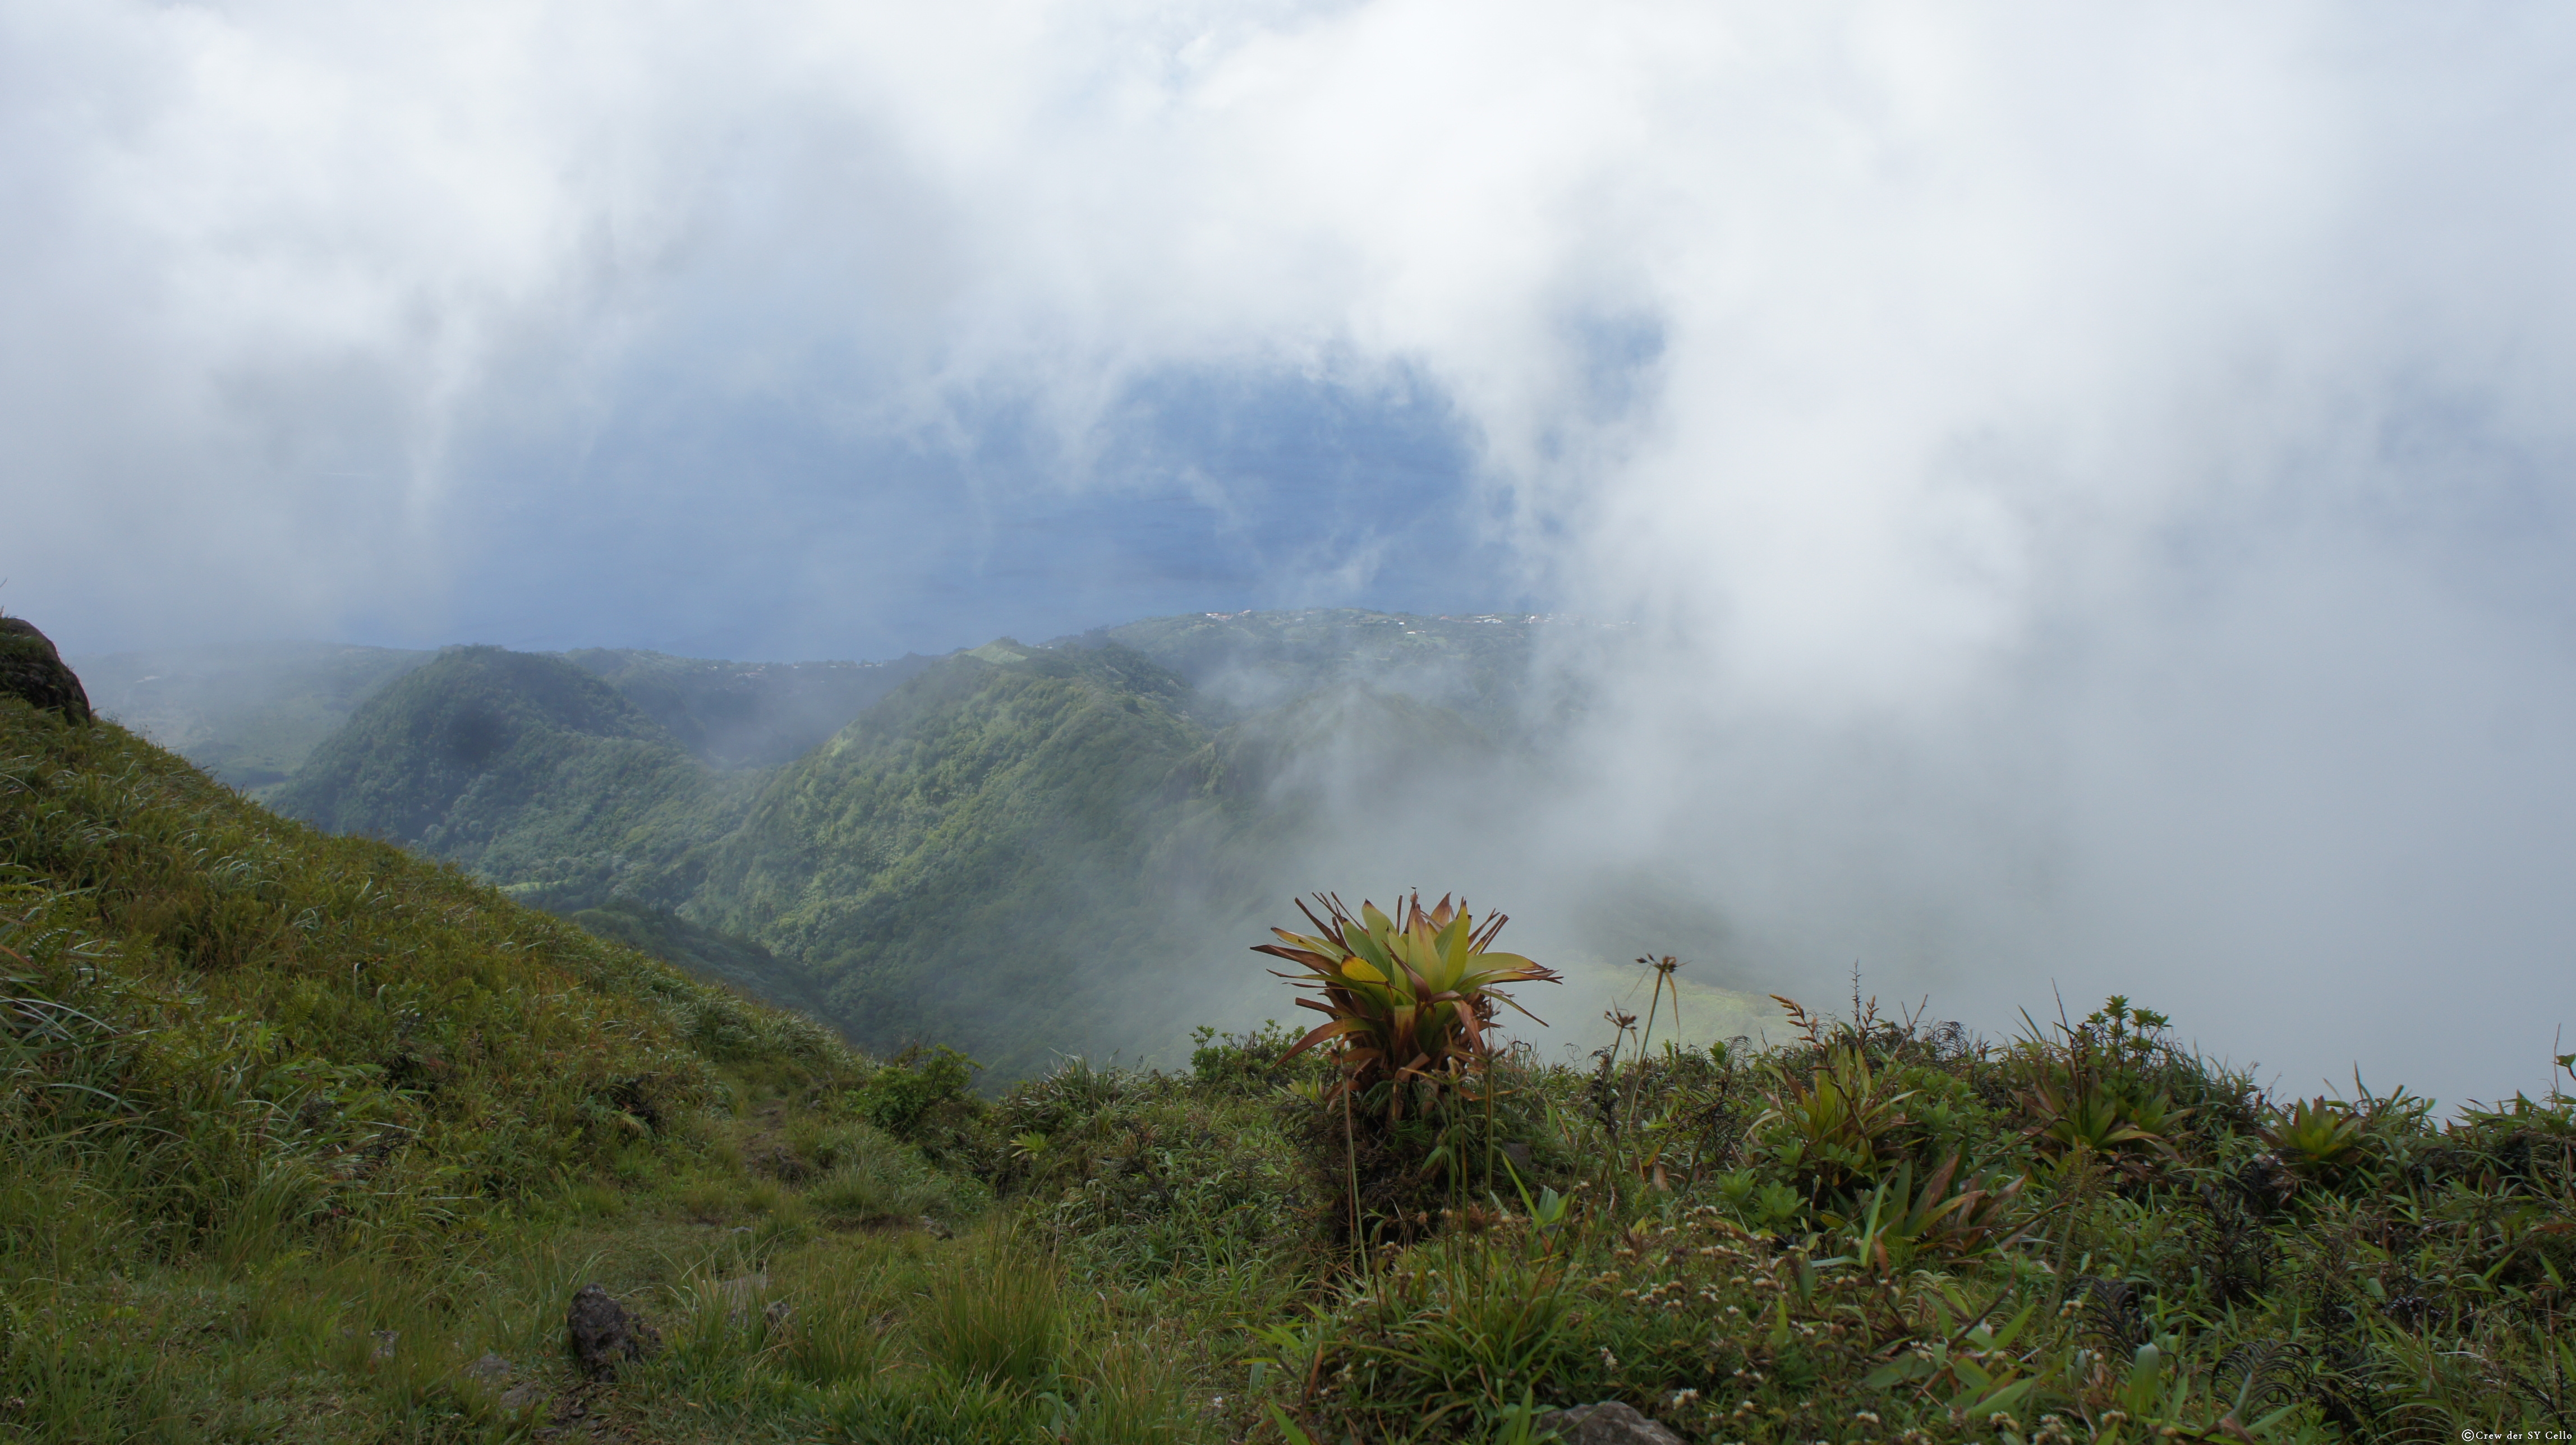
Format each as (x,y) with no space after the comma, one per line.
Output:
(2091,1091)
(1837,1131)
(2318,1137)
(1405,999)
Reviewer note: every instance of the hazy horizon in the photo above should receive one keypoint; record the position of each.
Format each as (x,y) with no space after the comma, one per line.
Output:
(2096,492)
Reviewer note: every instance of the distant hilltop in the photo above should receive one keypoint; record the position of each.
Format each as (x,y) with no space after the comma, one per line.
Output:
(250,712)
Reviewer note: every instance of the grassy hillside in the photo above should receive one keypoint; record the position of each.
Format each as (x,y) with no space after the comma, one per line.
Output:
(269,1093)
(305,1139)
(302,1138)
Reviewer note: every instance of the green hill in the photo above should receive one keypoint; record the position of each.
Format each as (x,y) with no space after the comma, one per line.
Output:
(250,1068)
(1019,817)
(251,713)
(706,953)
(304,1138)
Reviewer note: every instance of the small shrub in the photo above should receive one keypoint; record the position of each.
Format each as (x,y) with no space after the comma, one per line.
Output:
(1242,1064)
(2097,1089)
(1837,1130)
(2319,1138)
(912,1092)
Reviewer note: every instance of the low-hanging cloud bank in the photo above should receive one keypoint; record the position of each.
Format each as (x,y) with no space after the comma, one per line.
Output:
(2093,488)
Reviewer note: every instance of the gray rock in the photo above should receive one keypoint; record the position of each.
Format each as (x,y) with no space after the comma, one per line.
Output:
(32,669)
(1607,1423)
(386,1340)
(604,1335)
(492,1372)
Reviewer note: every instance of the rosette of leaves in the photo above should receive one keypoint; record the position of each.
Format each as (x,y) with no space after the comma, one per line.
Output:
(1897,1224)
(2318,1137)
(1405,999)
(1837,1130)
(2090,1091)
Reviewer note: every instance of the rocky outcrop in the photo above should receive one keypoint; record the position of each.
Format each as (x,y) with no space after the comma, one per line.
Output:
(605,1335)
(32,669)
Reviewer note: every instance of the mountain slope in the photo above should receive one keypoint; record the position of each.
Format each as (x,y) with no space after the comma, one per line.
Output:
(251,714)
(519,766)
(306,1140)
(705,953)
(311,1026)
(959,861)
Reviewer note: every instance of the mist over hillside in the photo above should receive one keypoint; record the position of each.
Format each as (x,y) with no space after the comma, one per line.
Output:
(250,712)
(1020,850)
(247,713)
(1096,827)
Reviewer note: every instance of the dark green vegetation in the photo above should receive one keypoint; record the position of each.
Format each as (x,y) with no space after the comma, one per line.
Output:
(294,1129)
(975,859)
(991,854)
